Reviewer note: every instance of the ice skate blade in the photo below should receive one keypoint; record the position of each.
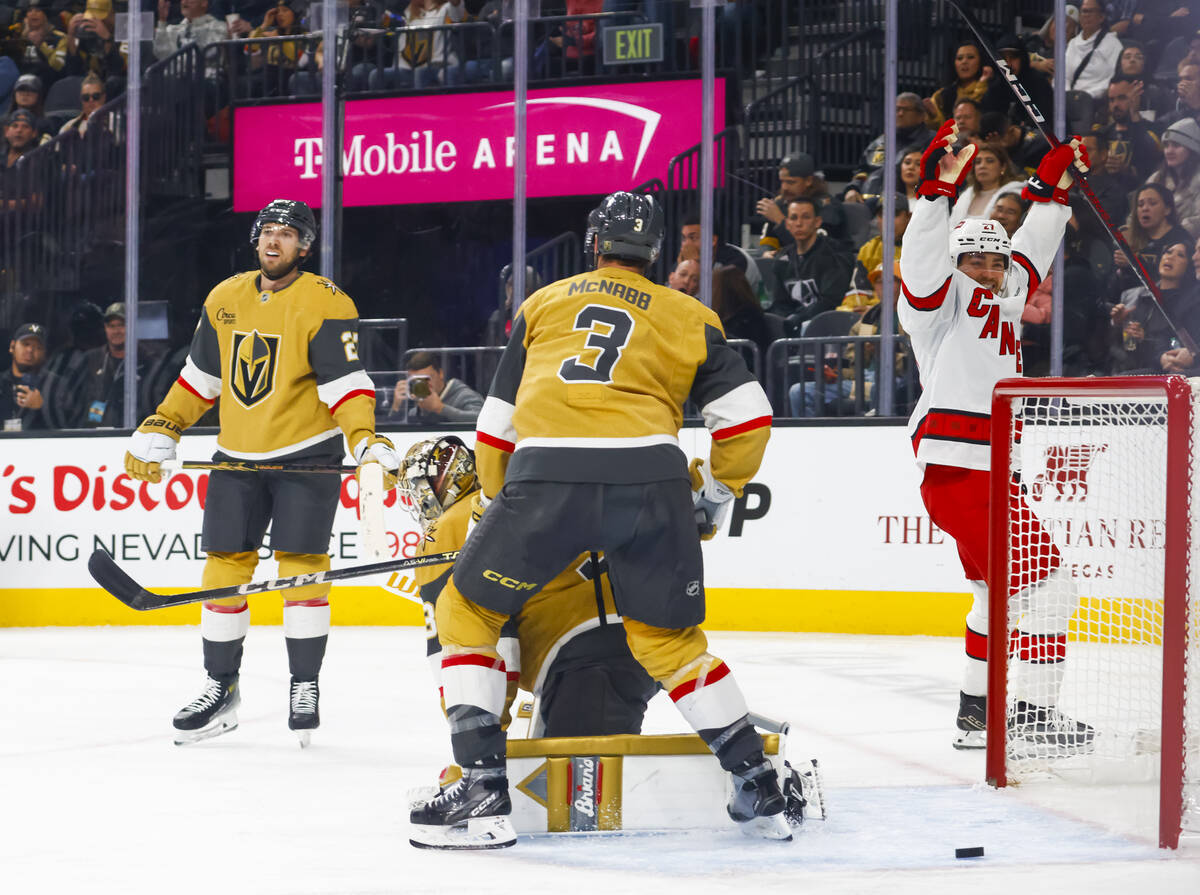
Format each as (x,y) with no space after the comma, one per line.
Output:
(217,726)
(476,833)
(970,739)
(773,827)
(304,736)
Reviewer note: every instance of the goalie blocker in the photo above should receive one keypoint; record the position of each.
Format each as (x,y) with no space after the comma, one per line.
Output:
(639,783)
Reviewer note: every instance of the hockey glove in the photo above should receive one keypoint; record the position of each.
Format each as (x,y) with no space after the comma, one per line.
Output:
(1053,178)
(377,449)
(943,171)
(712,499)
(152,443)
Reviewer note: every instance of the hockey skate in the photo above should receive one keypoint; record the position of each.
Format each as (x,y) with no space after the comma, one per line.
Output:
(210,714)
(757,804)
(802,793)
(304,715)
(1045,732)
(470,814)
(972,722)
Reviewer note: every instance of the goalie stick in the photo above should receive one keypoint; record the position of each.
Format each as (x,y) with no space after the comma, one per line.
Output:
(1039,122)
(117,582)
(170,466)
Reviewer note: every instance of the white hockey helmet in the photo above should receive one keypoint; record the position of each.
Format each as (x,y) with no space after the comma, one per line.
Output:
(434,475)
(980,235)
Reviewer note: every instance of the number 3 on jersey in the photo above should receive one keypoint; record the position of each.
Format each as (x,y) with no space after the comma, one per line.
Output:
(608,332)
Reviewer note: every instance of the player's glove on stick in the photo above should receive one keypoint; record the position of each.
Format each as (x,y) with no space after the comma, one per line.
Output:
(377,449)
(152,443)
(712,499)
(1053,178)
(943,171)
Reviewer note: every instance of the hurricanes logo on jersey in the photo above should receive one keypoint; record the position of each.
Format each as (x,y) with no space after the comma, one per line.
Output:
(252,366)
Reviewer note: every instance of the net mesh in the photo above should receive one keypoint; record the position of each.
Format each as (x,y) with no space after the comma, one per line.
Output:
(1086,541)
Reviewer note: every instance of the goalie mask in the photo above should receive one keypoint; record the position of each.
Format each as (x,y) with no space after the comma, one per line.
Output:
(981,236)
(434,475)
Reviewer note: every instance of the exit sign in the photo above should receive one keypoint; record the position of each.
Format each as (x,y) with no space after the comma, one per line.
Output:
(628,44)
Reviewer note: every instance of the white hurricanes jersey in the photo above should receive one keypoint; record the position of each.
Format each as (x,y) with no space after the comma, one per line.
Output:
(965,339)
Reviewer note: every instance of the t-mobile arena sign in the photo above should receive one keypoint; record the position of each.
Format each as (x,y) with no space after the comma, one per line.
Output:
(460,147)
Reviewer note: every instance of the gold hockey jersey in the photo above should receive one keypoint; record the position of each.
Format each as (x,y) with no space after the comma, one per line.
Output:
(592,383)
(284,364)
(562,609)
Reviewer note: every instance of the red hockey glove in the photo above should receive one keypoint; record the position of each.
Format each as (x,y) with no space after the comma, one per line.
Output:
(1053,178)
(943,171)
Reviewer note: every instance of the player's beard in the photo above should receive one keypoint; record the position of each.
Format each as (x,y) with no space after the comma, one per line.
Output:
(283,268)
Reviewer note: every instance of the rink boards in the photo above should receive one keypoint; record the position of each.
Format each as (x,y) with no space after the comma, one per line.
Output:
(830,536)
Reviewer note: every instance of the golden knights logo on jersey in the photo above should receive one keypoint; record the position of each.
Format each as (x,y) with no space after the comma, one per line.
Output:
(253,358)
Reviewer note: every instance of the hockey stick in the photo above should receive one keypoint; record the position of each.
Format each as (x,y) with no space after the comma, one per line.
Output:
(169,466)
(1039,122)
(117,582)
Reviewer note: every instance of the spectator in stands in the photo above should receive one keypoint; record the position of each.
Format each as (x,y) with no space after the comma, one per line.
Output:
(1180,360)
(1025,148)
(91,45)
(686,275)
(1141,334)
(21,137)
(496,13)
(908,175)
(104,390)
(1180,171)
(25,385)
(69,366)
(1041,42)
(436,398)
(812,273)
(197,27)
(92,96)
(1009,210)
(1151,228)
(723,252)
(910,130)
(861,294)
(967,114)
(1150,21)
(45,47)
(1131,142)
(1091,55)
(1187,89)
(424,57)
(1131,66)
(1112,186)
(798,176)
(499,325)
(968,80)
(734,301)
(276,61)
(570,49)
(29,94)
(991,176)
(999,95)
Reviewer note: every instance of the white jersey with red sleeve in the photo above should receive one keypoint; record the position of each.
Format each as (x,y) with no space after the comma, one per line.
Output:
(965,339)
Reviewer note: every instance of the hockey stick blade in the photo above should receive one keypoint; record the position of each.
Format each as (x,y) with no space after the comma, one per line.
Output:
(117,582)
(1039,121)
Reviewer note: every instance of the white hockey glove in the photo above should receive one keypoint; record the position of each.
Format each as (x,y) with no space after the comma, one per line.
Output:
(377,449)
(152,443)
(712,499)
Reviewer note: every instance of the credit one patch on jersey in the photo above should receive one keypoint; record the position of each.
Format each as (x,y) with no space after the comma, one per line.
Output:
(253,358)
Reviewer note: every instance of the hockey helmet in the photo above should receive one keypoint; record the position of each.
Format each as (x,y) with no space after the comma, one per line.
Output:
(533,280)
(434,475)
(632,227)
(980,235)
(290,213)
(595,219)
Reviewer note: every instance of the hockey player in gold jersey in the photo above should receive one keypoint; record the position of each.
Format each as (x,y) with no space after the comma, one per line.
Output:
(279,347)
(577,450)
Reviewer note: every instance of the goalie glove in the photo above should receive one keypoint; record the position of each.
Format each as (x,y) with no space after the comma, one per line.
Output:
(943,171)
(712,499)
(152,443)
(377,449)
(1053,178)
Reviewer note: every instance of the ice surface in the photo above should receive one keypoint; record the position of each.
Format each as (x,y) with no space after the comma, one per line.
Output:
(96,799)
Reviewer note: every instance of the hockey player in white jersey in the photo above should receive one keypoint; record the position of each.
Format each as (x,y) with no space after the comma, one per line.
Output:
(962,308)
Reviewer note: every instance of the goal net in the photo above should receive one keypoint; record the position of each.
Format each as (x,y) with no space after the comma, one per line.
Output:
(1094,538)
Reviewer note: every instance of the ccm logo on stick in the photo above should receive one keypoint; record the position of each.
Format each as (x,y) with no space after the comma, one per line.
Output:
(280,584)
(505,581)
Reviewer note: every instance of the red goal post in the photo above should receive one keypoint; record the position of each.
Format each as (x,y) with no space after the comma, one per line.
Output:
(1109,644)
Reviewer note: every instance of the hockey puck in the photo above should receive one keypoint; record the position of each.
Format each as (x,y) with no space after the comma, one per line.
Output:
(975,851)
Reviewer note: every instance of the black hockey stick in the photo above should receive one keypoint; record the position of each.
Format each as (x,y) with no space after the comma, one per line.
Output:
(256,466)
(1039,122)
(117,582)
